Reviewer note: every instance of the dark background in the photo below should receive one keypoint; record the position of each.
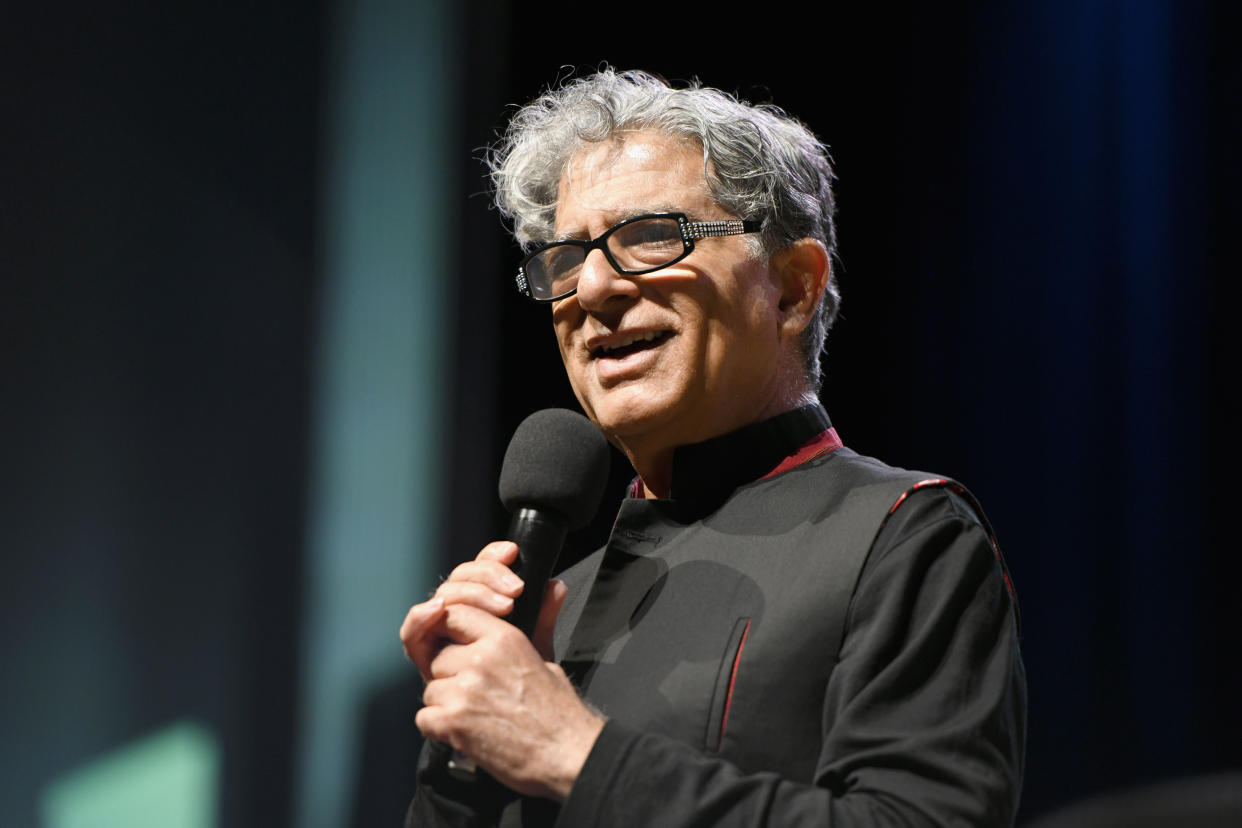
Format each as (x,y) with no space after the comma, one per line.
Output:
(1038,205)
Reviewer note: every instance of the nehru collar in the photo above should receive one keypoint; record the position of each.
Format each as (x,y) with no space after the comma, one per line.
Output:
(705,473)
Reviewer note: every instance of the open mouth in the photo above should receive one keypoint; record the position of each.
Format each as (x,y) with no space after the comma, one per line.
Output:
(630,345)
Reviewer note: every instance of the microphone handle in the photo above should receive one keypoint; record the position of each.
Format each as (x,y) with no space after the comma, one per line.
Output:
(539,536)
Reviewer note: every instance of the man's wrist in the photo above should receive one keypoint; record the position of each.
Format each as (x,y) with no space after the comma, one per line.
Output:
(574,750)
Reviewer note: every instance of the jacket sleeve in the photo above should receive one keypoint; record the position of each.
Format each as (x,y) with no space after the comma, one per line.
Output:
(923,721)
(442,801)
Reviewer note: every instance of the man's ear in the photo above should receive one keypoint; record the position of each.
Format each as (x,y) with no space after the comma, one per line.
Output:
(803,269)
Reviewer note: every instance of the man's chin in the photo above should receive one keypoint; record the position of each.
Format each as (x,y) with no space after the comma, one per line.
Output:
(637,423)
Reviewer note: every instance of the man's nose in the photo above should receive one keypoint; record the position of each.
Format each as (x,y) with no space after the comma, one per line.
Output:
(599,282)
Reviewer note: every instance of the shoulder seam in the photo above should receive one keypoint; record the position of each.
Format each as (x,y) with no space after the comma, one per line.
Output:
(959,496)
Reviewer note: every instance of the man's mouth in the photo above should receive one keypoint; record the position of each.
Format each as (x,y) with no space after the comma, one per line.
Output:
(629,345)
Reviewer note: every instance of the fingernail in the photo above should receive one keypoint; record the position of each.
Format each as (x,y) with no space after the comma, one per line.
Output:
(511,581)
(502,601)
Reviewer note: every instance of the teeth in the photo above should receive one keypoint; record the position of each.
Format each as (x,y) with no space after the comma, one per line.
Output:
(630,340)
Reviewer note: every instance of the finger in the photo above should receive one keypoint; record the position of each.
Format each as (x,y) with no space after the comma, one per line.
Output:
(476,595)
(504,551)
(418,620)
(493,574)
(422,634)
(453,659)
(435,692)
(432,718)
(499,646)
(464,624)
(553,600)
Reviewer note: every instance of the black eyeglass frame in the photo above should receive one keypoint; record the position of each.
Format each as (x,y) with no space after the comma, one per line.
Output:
(690,230)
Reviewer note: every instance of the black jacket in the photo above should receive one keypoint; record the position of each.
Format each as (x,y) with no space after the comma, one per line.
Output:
(833,645)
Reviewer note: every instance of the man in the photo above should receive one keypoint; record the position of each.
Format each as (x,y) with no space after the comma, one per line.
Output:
(779,631)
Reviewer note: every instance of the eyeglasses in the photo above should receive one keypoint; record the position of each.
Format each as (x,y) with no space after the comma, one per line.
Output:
(638,245)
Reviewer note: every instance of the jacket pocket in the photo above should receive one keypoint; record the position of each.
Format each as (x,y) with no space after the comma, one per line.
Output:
(722,693)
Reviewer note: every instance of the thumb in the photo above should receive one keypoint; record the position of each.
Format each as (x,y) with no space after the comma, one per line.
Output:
(553,599)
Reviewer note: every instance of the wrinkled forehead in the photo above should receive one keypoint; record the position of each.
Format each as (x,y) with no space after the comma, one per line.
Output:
(635,170)
(594,160)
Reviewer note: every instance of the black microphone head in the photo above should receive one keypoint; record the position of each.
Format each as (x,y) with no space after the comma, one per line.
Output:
(557,461)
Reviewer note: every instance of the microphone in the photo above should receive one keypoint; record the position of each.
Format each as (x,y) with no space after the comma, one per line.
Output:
(552,479)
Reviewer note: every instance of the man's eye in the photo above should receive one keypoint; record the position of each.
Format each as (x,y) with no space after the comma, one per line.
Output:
(656,233)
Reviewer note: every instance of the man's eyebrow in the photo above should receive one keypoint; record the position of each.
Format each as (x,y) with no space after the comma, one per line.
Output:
(616,217)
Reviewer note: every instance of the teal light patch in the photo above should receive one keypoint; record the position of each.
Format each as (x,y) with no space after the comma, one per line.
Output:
(170,779)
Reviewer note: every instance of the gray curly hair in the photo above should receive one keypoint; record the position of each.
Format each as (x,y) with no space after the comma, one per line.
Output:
(759,162)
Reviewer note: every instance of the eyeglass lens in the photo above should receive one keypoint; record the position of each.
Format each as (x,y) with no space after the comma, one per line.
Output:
(641,245)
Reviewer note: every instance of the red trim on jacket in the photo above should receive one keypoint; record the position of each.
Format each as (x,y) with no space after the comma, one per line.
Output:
(961,490)
(823,443)
(724,719)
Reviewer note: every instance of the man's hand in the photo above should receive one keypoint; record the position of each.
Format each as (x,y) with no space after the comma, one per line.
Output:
(493,698)
(486,583)
(490,693)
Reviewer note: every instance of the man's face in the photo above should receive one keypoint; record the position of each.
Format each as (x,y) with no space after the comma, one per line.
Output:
(679,355)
